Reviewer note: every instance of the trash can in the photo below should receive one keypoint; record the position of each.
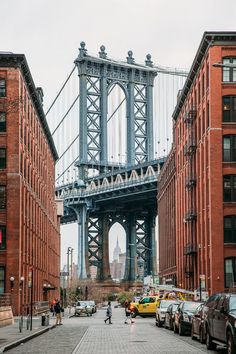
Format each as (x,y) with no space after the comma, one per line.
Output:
(43,320)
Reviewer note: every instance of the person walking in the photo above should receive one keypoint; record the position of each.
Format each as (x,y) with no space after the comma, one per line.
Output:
(58,311)
(128,312)
(108,313)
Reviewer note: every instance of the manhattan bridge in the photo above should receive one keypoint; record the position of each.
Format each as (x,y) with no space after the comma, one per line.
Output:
(111,123)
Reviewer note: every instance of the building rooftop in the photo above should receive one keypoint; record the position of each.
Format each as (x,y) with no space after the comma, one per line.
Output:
(8,59)
(208,39)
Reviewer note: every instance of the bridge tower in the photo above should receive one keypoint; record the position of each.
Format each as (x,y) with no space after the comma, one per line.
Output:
(97,77)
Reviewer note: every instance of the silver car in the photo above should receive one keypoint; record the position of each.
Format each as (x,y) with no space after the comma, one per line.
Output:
(83,307)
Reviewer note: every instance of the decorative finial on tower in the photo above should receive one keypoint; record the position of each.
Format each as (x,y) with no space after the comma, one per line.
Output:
(82,50)
(130,59)
(148,61)
(102,53)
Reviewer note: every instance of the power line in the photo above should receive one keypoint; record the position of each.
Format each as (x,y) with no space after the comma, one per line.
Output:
(60,90)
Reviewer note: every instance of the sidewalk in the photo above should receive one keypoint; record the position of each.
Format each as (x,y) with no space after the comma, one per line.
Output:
(10,336)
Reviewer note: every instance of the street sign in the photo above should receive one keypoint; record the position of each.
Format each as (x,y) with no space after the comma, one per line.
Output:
(64,274)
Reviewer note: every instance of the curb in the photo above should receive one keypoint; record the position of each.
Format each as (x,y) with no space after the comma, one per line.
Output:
(25,339)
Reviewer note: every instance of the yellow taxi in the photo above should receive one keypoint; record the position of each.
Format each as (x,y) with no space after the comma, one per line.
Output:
(146,306)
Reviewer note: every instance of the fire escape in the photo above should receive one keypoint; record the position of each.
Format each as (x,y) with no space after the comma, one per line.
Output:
(190,249)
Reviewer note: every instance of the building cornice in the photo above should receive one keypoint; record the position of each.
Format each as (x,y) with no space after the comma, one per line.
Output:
(11,60)
(209,39)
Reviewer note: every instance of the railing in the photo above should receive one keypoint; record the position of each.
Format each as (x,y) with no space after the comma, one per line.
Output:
(41,307)
(190,116)
(190,148)
(190,182)
(190,216)
(190,249)
(113,186)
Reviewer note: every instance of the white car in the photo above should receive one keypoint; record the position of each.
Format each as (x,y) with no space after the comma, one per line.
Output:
(83,307)
(161,311)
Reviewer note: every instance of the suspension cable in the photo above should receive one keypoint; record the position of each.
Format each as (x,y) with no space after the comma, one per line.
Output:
(60,90)
(63,118)
(67,168)
(68,147)
(116,109)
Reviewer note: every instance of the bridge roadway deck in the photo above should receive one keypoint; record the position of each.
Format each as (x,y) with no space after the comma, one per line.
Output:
(90,335)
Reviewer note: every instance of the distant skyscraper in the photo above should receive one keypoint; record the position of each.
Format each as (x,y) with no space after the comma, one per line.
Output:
(117,251)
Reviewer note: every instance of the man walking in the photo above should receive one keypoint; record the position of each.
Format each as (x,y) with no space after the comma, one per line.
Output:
(108,313)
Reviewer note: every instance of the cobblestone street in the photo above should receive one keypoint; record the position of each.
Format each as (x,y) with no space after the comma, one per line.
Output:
(90,335)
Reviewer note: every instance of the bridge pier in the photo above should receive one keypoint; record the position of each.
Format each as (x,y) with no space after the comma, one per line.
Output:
(104,268)
(82,268)
(131,259)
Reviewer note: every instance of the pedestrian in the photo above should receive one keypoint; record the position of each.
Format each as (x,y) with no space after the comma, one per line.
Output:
(128,312)
(58,311)
(108,313)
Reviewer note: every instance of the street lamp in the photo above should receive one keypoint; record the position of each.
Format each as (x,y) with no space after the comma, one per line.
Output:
(12,280)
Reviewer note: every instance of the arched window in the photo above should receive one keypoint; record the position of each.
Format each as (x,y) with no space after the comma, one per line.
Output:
(229,148)
(230,188)
(230,229)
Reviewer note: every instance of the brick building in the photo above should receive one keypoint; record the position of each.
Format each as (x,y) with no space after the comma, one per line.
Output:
(166,219)
(29,224)
(205,176)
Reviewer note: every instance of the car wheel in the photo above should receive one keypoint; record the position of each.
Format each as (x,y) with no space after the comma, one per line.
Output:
(159,324)
(201,336)
(181,332)
(231,348)
(209,344)
(175,328)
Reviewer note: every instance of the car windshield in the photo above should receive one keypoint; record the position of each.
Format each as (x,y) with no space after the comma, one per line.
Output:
(164,304)
(190,306)
(232,303)
(81,303)
(175,307)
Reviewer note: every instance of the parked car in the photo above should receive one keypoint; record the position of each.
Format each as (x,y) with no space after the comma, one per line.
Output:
(170,315)
(93,305)
(161,311)
(83,307)
(220,321)
(183,317)
(146,306)
(198,327)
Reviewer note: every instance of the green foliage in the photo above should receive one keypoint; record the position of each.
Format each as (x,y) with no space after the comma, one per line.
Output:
(123,296)
(111,297)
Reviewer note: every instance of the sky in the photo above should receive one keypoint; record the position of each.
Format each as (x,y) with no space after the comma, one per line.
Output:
(49,33)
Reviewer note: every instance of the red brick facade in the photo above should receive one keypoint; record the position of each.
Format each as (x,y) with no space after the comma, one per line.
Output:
(205,186)
(29,216)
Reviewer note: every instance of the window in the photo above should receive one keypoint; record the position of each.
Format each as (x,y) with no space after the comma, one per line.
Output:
(2,121)
(230,188)
(3,161)
(229,148)
(2,237)
(229,73)
(229,108)
(3,197)
(2,280)
(2,88)
(230,272)
(230,229)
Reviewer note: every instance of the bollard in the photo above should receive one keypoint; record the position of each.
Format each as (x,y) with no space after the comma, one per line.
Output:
(43,320)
